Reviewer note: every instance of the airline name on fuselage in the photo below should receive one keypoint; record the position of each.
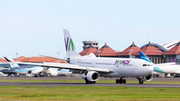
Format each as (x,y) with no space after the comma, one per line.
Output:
(122,62)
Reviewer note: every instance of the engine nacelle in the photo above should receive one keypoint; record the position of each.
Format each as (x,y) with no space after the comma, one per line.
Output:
(51,72)
(91,76)
(148,78)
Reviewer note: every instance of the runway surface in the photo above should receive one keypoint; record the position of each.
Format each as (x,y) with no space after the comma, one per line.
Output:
(50,84)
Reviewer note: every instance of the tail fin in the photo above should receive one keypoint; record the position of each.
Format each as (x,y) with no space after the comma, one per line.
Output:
(11,61)
(69,45)
(144,57)
(174,60)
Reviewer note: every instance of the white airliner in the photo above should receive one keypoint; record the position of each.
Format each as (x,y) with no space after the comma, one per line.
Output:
(95,67)
(171,67)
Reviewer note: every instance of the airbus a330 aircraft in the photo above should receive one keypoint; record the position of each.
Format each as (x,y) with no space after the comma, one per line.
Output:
(95,67)
(171,67)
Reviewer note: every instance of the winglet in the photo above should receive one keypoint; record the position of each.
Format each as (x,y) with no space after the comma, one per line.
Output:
(144,57)
(11,61)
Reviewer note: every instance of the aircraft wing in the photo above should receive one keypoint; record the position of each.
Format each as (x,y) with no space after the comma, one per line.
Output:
(54,58)
(66,66)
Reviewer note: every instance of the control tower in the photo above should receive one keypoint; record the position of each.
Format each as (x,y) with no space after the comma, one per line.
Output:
(88,43)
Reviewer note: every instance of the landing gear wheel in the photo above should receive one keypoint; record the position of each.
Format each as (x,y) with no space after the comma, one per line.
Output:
(117,81)
(141,81)
(120,81)
(124,81)
(87,82)
(90,82)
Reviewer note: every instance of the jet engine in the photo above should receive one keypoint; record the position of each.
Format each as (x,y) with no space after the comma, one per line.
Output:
(91,76)
(148,78)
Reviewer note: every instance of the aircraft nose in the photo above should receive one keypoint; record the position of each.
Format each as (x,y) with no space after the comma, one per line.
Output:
(150,69)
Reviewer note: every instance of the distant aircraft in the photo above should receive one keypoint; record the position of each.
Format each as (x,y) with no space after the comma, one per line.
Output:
(34,70)
(2,74)
(56,72)
(16,69)
(95,67)
(163,67)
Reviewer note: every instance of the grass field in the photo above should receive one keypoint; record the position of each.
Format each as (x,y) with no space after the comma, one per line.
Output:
(82,81)
(32,93)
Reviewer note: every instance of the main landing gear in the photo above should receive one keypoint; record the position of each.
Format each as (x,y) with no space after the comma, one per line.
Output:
(121,81)
(89,82)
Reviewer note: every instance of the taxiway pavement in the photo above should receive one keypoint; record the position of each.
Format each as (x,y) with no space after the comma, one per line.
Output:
(50,84)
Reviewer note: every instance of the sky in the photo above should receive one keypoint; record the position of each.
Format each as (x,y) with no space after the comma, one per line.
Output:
(32,27)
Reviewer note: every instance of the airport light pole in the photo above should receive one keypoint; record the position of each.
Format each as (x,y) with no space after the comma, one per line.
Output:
(99,52)
(130,53)
(58,56)
(17,55)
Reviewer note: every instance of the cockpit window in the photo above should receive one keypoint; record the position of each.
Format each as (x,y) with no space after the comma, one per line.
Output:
(146,65)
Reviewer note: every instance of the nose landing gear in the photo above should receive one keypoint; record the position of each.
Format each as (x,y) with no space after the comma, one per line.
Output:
(141,81)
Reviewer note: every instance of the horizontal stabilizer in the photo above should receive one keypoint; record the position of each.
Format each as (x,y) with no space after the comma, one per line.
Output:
(11,61)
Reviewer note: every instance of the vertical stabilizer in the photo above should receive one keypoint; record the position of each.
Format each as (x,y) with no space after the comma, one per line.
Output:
(174,60)
(69,45)
(144,57)
(11,61)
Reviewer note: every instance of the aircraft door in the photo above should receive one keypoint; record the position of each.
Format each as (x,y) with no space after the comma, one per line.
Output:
(134,70)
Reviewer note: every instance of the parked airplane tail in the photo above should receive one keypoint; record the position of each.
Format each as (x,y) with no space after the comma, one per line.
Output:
(69,45)
(11,61)
(174,60)
(144,57)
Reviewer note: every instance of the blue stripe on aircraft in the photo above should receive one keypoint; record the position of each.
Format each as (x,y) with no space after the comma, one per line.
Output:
(156,69)
(24,70)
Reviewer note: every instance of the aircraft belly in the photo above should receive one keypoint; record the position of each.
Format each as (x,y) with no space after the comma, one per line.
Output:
(125,71)
(115,74)
(143,71)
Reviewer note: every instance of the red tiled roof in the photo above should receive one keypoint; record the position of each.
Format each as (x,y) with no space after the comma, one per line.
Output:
(35,59)
(173,51)
(149,50)
(20,58)
(106,51)
(126,52)
(41,59)
(2,60)
(88,50)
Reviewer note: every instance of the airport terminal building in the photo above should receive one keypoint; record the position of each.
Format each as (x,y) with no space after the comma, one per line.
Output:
(157,53)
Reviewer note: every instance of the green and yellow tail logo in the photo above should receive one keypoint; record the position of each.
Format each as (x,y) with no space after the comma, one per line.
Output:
(69,44)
